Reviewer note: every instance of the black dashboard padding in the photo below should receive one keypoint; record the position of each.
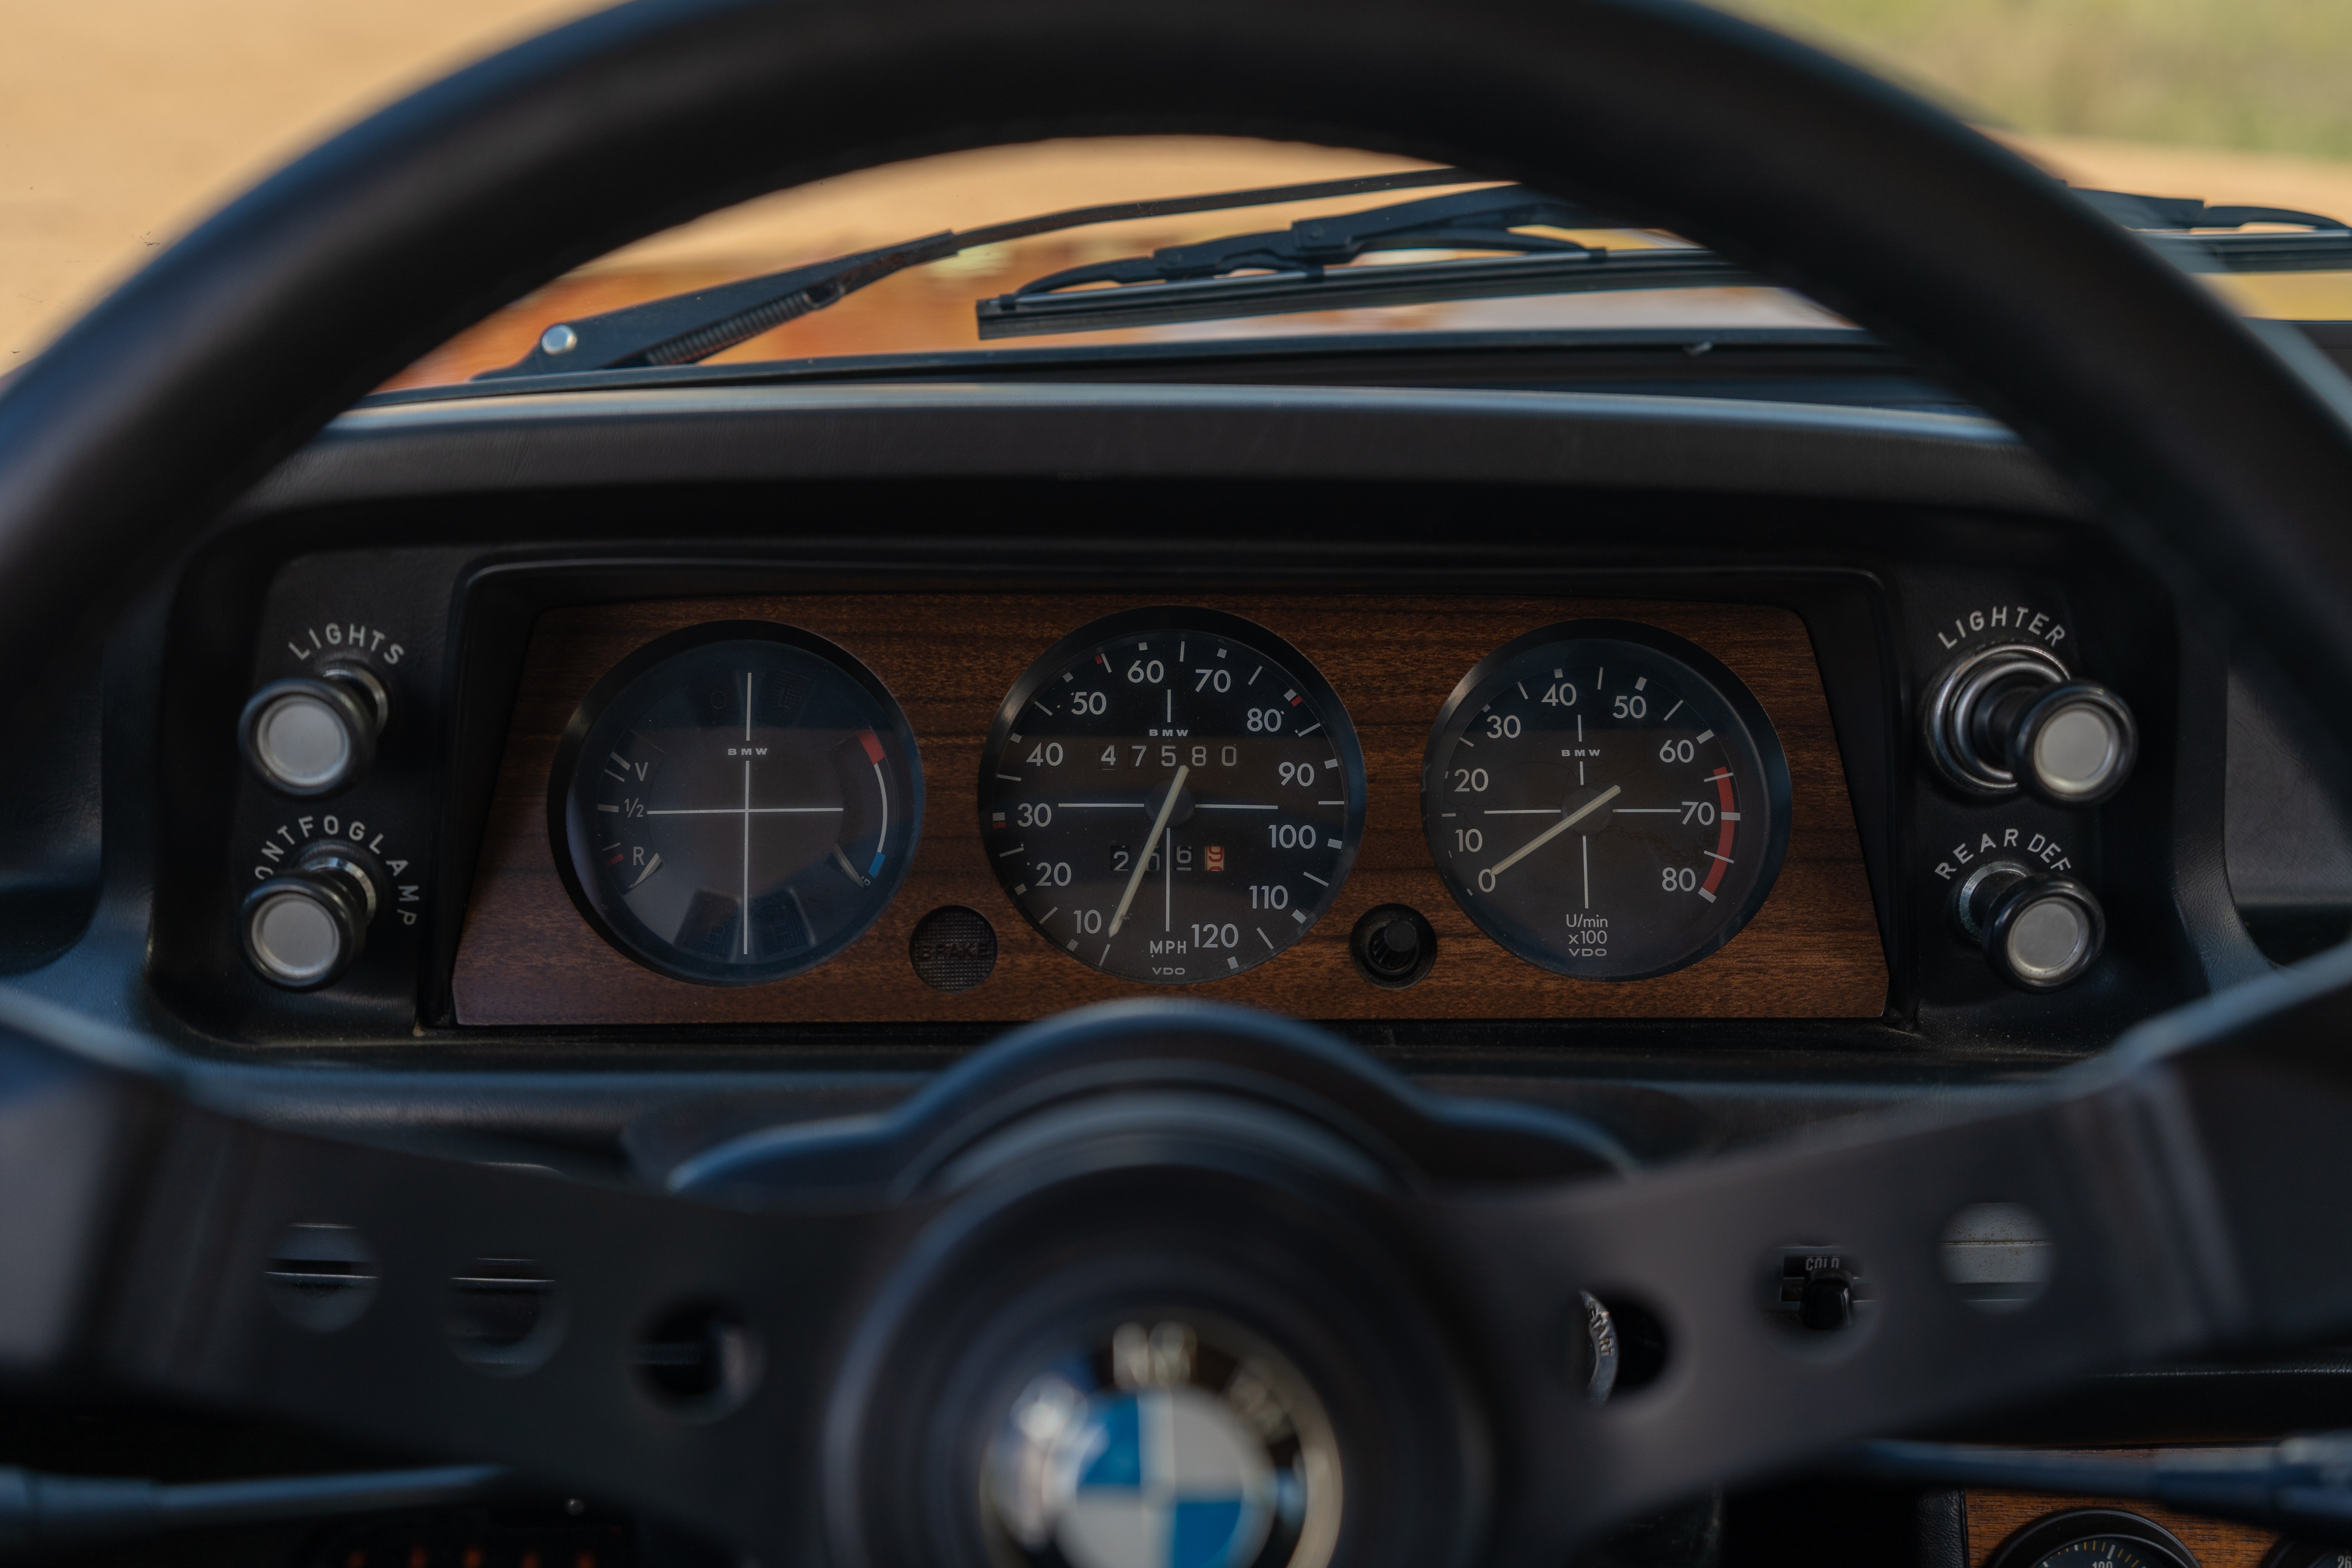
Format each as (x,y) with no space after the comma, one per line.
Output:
(565,441)
(2289,851)
(1942,1521)
(204,371)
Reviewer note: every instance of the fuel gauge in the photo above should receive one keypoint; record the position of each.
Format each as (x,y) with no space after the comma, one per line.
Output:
(735,803)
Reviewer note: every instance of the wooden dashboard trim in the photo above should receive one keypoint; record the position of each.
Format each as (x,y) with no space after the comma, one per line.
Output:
(527,957)
(1995,1515)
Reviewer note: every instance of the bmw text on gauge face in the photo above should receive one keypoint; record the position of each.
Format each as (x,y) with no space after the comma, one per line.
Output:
(1606,800)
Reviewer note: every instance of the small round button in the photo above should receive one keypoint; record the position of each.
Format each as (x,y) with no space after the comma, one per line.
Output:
(1393,946)
(2039,932)
(2074,744)
(2049,939)
(302,930)
(297,938)
(314,736)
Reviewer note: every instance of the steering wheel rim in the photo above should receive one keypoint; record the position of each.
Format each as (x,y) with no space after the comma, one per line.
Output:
(117,444)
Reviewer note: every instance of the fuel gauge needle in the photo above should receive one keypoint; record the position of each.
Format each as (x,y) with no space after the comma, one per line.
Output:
(1143,861)
(651,866)
(1556,828)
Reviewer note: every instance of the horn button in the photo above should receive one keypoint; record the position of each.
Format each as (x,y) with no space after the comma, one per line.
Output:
(1167,1444)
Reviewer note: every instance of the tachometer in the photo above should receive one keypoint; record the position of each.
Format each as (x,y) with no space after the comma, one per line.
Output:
(735,803)
(1172,796)
(1606,800)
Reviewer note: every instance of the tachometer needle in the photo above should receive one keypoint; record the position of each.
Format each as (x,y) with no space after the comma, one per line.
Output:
(1556,828)
(1143,861)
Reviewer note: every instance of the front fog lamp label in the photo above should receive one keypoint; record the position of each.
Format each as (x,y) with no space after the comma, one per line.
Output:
(288,838)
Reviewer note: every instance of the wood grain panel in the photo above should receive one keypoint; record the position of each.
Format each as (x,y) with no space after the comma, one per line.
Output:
(527,956)
(1995,1516)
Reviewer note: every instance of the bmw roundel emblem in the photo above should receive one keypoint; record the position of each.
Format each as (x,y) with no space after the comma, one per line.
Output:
(1166,1445)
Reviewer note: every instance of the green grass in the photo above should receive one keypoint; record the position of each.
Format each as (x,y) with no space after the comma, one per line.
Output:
(2266,74)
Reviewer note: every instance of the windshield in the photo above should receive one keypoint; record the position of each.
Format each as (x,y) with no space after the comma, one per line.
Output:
(934,308)
(125,127)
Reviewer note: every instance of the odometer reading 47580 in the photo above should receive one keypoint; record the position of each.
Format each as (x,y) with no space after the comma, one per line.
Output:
(1172,796)
(1606,800)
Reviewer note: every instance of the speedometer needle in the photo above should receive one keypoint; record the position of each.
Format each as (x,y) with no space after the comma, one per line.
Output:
(1556,828)
(1135,877)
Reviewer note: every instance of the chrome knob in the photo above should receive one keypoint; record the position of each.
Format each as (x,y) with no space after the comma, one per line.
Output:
(315,735)
(303,928)
(2071,744)
(2009,718)
(2039,932)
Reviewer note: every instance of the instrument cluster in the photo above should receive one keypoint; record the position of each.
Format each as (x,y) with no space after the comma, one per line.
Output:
(1170,796)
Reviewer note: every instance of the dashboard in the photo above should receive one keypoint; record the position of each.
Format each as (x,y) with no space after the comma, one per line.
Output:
(465,629)
(574,779)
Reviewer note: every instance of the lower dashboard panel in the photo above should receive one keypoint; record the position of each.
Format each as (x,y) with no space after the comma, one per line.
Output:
(527,955)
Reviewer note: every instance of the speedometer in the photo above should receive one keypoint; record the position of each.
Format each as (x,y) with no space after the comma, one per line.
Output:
(1606,800)
(1172,796)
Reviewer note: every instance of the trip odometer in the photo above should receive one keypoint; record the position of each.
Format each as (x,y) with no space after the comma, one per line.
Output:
(1172,796)
(1606,800)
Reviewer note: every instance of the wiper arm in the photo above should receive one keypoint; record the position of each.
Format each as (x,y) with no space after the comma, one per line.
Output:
(2164,222)
(683,328)
(1305,268)
(1302,268)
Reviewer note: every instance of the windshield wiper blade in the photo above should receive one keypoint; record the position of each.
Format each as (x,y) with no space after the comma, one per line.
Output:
(683,328)
(1472,220)
(1359,288)
(1303,268)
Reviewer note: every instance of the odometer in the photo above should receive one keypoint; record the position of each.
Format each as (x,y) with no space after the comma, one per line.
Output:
(1172,796)
(1606,800)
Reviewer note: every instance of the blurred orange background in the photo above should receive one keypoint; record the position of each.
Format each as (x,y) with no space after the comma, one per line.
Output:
(123,121)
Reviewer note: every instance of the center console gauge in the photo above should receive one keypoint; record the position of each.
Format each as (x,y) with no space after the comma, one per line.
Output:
(735,803)
(1605,800)
(1172,796)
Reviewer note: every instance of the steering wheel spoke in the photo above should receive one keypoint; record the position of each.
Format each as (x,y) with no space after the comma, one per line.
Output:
(2176,1196)
(593,1334)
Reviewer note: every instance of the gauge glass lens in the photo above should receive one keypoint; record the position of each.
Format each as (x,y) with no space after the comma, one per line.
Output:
(2106,1552)
(1606,800)
(736,803)
(1172,796)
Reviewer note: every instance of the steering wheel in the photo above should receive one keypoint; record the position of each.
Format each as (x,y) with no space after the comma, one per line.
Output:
(902,1315)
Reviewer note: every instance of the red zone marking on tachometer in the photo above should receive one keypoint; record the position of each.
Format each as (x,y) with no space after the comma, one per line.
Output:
(873,746)
(1723,840)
